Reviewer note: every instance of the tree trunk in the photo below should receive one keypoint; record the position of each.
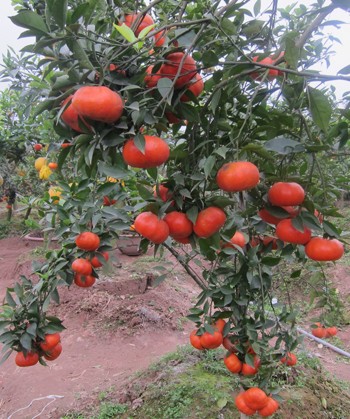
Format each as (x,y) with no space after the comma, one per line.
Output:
(9,214)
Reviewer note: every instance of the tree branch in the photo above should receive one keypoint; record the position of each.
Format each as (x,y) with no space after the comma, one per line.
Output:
(308,74)
(221,11)
(187,268)
(313,25)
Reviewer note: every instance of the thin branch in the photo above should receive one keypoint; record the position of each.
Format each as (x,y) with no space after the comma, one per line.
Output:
(220,12)
(313,26)
(187,268)
(182,10)
(149,7)
(308,74)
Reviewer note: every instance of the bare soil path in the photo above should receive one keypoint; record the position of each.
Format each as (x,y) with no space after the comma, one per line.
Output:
(92,360)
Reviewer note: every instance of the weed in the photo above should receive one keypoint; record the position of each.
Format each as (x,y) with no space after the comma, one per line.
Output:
(73,416)
(110,410)
(103,395)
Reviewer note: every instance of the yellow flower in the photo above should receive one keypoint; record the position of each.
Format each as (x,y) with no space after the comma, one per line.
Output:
(45,172)
(55,191)
(1,180)
(112,179)
(21,172)
(39,163)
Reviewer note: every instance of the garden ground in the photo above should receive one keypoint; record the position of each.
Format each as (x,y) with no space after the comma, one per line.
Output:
(120,326)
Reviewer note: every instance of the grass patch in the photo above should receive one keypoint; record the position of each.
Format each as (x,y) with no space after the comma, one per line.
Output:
(15,227)
(189,384)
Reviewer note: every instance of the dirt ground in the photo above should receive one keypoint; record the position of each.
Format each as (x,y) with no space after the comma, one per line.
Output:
(114,329)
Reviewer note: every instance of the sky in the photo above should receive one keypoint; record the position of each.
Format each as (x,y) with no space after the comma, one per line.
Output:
(9,34)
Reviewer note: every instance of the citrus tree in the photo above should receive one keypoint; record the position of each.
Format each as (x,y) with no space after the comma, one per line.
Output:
(219,132)
(24,135)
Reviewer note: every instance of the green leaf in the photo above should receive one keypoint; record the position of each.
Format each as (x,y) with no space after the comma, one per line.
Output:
(26,341)
(296,274)
(125,32)
(283,145)
(208,165)
(192,214)
(80,54)
(210,59)
(215,100)
(228,26)
(259,150)
(6,356)
(43,106)
(55,295)
(30,20)
(159,280)
(144,192)
(89,8)
(228,299)
(257,7)
(145,31)
(189,112)
(298,224)
(292,53)
(31,329)
(10,301)
(270,261)
(112,139)
(117,172)
(345,70)
(224,125)
(185,37)
(140,143)
(165,88)
(221,403)
(253,28)
(58,11)
(330,229)
(193,318)
(320,108)
(249,359)
(53,328)
(153,172)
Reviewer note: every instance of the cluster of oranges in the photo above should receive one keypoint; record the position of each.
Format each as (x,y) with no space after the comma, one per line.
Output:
(289,196)
(254,400)
(83,267)
(50,348)
(232,177)
(322,332)
(215,339)
(237,177)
